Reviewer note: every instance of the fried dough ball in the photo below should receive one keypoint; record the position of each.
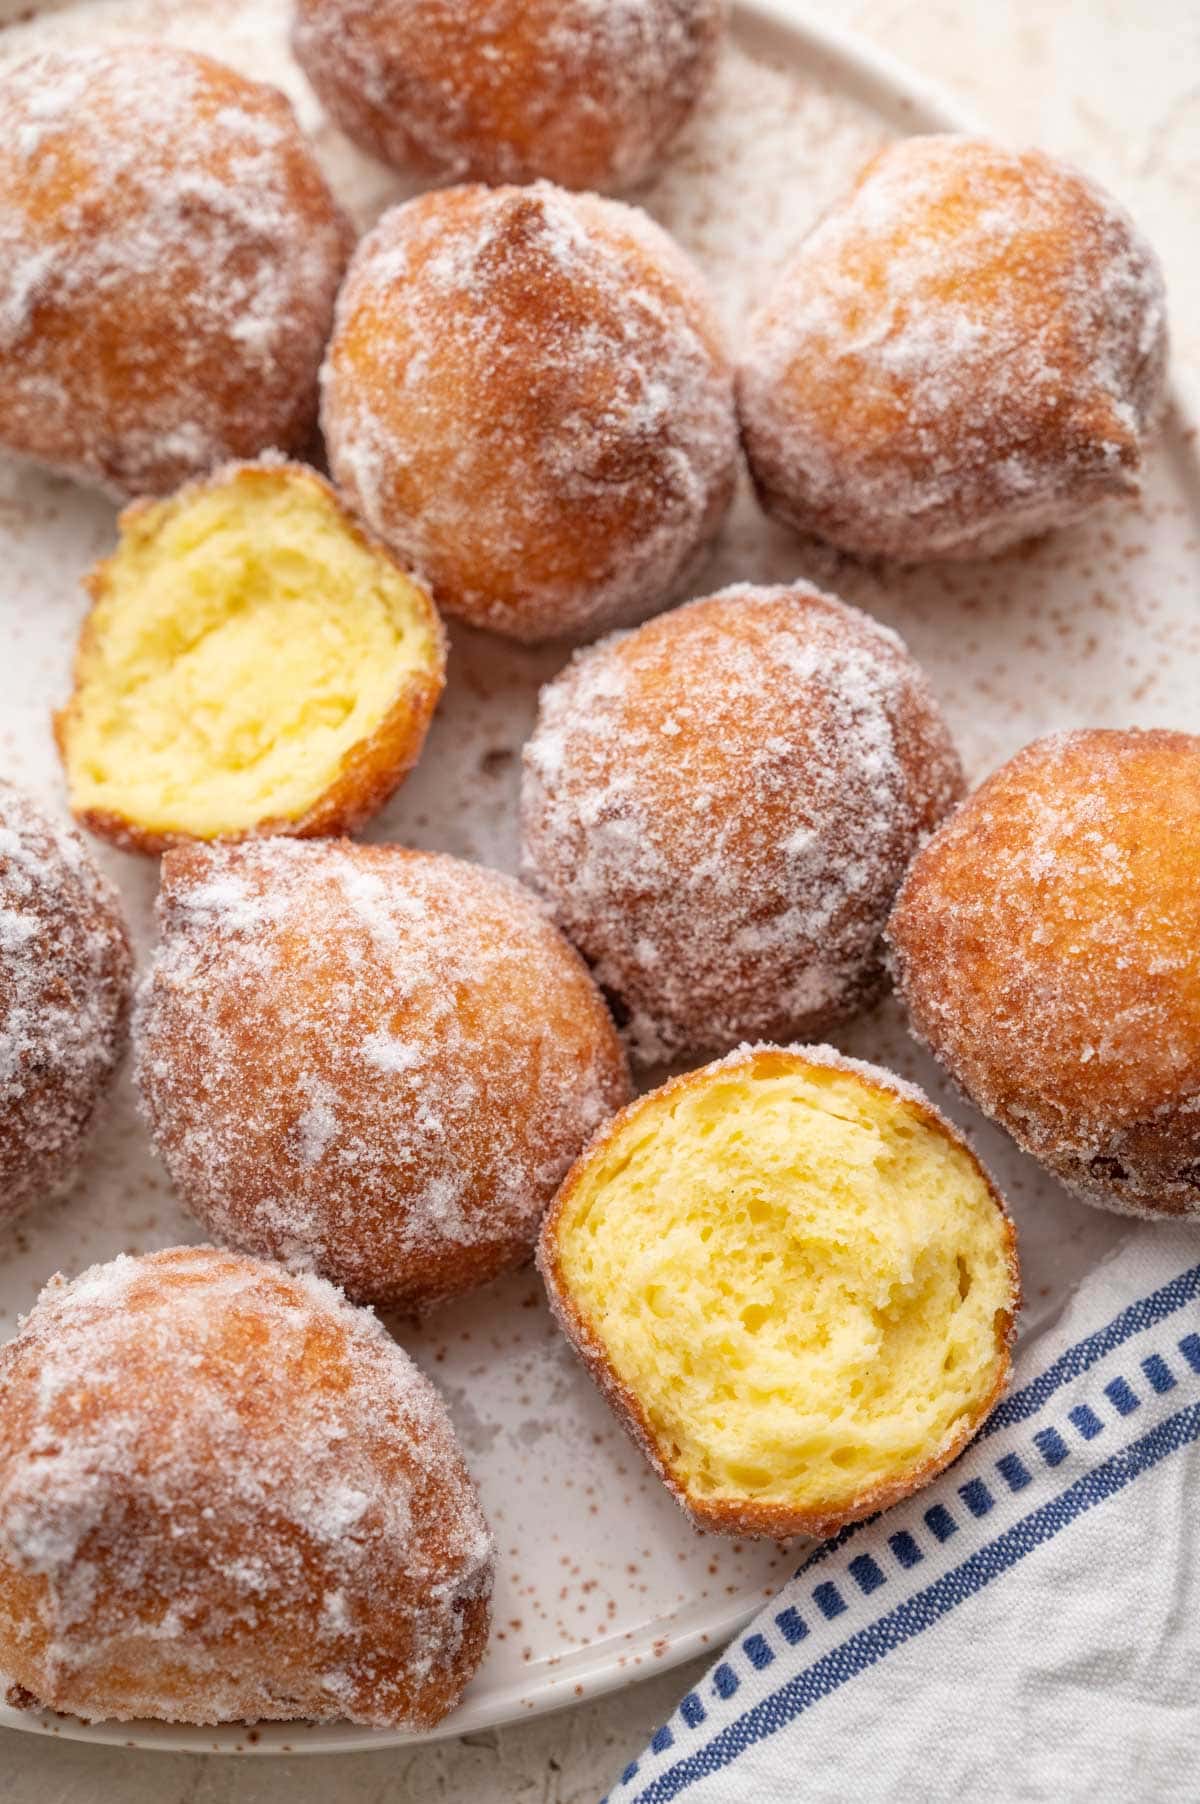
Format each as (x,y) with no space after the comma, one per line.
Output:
(967,350)
(252,663)
(169,257)
(509,90)
(793,1281)
(1047,945)
(370,1062)
(720,806)
(527,398)
(229,1496)
(65,971)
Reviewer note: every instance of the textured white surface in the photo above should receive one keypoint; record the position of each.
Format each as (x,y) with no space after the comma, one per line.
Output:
(1114,87)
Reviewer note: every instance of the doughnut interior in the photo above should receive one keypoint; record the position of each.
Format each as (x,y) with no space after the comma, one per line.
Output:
(245,640)
(804,1282)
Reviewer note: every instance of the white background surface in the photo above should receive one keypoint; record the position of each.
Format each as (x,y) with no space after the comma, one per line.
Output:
(1117,86)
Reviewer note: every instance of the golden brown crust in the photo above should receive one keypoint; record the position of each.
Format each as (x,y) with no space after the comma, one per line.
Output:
(539,417)
(65,973)
(425,1052)
(775,1522)
(1047,945)
(371,771)
(172,253)
(720,805)
(229,1496)
(510,90)
(969,349)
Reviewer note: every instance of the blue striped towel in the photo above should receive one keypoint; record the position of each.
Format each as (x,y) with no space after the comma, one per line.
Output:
(1026,1628)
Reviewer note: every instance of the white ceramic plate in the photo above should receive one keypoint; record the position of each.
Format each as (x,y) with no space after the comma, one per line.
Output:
(600,1577)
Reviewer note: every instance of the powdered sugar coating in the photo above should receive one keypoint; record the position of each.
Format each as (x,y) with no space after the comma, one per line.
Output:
(720,806)
(1047,944)
(368,1062)
(589,93)
(226,1495)
(65,969)
(966,351)
(526,396)
(169,256)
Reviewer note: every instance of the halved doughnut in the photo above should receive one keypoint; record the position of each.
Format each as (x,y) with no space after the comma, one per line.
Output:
(253,663)
(795,1283)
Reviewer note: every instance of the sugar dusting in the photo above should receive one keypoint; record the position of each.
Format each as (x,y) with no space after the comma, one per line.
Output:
(425,1054)
(1084,938)
(918,392)
(720,806)
(168,261)
(547,432)
(585,92)
(64,989)
(1099,624)
(231,1497)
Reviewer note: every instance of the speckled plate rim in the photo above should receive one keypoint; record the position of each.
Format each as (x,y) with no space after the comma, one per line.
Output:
(784,34)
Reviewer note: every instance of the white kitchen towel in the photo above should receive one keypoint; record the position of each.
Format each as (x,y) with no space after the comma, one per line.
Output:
(1028,1627)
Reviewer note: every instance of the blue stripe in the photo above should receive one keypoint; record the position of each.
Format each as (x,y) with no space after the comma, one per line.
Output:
(791,1625)
(1014,1471)
(1122,1396)
(905,1549)
(1161,1377)
(1051,1446)
(1026,1402)
(867,1573)
(925,1608)
(829,1601)
(976,1496)
(1086,1421)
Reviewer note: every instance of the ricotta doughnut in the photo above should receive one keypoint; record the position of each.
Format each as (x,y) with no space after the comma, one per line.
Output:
(1047,945)
(65,971)
(719,808)
(793,1281)
(169,257)
(967,350)
(527,398)
(369,1062)
(509,90)
(252,663)
(228,1496)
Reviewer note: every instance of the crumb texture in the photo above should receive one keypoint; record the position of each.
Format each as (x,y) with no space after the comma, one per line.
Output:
(800,1275)
(246,647)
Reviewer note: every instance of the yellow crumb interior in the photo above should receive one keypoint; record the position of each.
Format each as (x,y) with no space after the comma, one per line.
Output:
(800,1280)
(246,642)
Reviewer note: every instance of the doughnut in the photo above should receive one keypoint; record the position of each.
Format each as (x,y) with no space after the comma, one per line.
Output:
(509,90)
(371,1063)
(967,350)
(169,257)
(1046,943)
(527,398)
(65,972)
(229,1496)
(719,807)
(252,663)
(794,1283)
